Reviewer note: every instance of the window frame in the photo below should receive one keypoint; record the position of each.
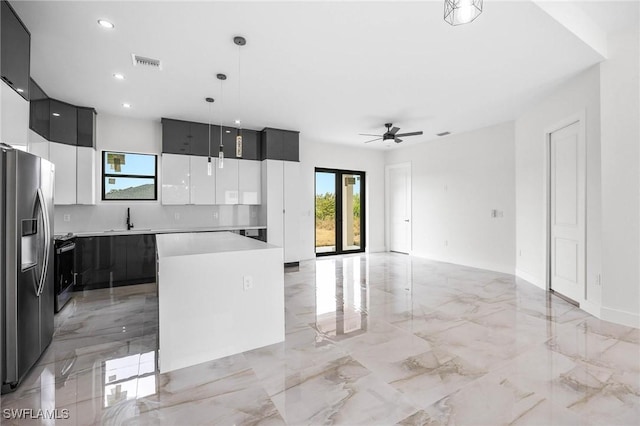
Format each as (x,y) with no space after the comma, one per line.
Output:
(107,175)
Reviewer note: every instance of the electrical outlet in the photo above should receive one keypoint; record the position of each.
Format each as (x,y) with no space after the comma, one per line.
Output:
(520,253)
(247,282)
(67,218)
(446,243)
(176,216)
(598,279)
(216,215)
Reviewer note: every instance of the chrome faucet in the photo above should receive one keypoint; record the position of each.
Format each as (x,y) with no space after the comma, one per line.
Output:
(129,223)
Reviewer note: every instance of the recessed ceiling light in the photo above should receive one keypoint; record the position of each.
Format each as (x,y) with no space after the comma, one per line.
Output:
(19,90)
(56,114)
(118,76)
(105,24)
(126,105)
(443,134)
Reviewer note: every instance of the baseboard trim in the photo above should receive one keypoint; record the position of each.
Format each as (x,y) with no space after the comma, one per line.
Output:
(591,308)
(629,319)
(531,279)
(479,265)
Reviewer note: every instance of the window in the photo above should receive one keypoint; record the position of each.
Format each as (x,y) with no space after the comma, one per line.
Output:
(127,176)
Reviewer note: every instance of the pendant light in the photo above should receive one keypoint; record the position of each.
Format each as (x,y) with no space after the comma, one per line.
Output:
(458,12)
(209,171)
(239,41)
(221,77)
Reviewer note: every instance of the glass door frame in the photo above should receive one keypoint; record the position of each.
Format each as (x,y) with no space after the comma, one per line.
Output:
(339,173)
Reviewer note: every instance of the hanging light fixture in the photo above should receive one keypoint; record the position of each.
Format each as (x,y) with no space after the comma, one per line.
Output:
(209,168)
(458,12)
(221,77)
(239,41)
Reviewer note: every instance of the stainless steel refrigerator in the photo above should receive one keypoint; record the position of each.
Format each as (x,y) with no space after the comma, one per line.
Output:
(26,255)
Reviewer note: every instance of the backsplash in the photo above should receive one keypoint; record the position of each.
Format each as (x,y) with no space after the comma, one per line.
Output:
(104,217)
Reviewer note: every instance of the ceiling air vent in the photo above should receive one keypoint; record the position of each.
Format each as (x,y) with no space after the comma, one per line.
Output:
(146,62)
(443,134)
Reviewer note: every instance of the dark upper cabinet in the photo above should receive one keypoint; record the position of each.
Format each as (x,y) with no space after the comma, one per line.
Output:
(291,146)
(86,127)
(39,115)
(250,145)
(229,141)
(64,123)
(199,135)
(188,138)
(279,144)
(271,145)
(15,46)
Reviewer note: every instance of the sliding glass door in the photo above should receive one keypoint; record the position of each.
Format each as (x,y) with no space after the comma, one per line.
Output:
(340,211)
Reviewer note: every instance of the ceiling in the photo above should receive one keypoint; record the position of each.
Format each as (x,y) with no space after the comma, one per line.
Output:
(328,69)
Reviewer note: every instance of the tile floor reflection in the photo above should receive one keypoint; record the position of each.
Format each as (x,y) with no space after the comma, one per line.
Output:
(376,339)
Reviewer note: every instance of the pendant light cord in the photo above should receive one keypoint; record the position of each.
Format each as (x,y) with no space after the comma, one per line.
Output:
(210,130)
(221,100)
(239,91)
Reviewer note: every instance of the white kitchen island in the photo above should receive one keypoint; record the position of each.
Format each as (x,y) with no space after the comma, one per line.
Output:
(219,294)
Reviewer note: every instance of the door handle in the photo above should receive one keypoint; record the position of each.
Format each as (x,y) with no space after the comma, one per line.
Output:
(406,220)
(47,243)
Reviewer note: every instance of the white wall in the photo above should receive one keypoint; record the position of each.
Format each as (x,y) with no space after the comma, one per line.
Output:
(314,155)
(456,182)
(620,96)
(142,136)
(580,95)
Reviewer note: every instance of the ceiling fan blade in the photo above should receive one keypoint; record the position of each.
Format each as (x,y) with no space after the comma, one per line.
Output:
(394,130)
(368,134)
(373,140)
(398,140)
(410,134)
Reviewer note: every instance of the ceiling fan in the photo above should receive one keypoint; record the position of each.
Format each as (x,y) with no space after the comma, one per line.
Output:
(391,134)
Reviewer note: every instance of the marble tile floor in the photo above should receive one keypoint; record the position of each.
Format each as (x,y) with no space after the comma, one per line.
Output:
(377,339)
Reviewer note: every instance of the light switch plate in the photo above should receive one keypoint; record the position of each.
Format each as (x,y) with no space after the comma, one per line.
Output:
(67,218)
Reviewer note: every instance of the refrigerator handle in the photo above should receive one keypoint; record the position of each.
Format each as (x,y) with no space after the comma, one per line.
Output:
(47,244)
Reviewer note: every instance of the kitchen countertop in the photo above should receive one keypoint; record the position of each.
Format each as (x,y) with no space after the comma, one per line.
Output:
(194,243)
(136,231)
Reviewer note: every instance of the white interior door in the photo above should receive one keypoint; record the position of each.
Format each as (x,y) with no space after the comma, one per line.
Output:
(399,208)
(567,213)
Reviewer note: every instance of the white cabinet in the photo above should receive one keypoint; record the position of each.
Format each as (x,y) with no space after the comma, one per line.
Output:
(227,182)
(75,178)
(291,211)
(280,192)
(38,145)
(249,181)
(203,186)
(185,181)
(14,116)
(273,196)
(64,158)
(85,175)
(175,179)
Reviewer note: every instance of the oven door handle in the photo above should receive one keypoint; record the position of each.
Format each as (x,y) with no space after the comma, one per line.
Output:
(66,248)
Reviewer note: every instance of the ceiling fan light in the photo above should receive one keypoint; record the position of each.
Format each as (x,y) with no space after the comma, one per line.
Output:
(458,12)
